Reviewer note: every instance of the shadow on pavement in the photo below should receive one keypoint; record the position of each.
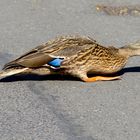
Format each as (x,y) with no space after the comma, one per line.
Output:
(33,77)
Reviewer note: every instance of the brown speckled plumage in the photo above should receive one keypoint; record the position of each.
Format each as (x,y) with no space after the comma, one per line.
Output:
(133,10)
(81,56)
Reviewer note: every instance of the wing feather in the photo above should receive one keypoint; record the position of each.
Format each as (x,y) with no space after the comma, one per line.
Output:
(62,47)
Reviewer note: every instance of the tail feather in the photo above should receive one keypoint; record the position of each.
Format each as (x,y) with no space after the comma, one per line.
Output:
(11,65)
(10,72)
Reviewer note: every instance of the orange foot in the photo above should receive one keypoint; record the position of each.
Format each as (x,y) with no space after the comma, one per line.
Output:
(100,78)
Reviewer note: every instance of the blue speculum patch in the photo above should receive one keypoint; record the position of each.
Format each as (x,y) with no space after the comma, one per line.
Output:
(56,62)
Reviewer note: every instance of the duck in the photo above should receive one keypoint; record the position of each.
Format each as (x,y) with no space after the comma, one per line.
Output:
(78,56)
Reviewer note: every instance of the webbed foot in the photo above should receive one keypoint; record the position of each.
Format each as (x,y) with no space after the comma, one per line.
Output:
(100,78)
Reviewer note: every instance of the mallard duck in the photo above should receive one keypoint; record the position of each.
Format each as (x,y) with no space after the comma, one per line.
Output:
(72,55)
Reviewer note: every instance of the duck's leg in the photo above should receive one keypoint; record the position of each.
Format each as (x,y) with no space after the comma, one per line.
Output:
(85,78)
(100,78)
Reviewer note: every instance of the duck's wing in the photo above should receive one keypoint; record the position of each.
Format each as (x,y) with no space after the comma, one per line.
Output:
(52,53)
(32,59)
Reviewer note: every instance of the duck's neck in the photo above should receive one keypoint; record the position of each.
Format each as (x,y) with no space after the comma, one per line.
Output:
(130,50)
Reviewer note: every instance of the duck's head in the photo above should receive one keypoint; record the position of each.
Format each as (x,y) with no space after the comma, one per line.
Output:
(131,49)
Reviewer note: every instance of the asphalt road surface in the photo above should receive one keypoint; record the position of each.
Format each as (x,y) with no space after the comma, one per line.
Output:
(64,108)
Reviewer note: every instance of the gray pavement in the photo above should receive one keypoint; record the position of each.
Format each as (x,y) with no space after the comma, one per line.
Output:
(67,109)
